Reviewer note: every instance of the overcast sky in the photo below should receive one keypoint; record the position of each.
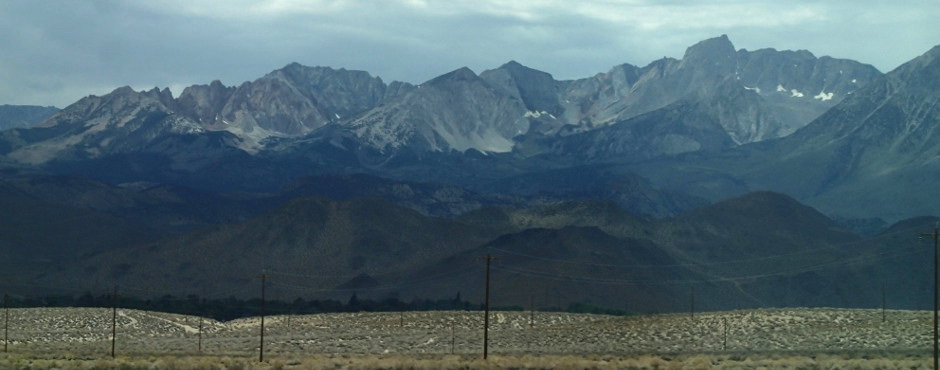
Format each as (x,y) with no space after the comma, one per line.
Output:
(55,52)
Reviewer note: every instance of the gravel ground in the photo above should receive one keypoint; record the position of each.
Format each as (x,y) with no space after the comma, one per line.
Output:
(85,333)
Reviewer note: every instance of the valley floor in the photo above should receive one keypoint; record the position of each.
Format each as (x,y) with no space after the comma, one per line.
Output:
(774,338)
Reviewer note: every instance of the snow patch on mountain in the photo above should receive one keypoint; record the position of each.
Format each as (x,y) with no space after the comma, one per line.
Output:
(538,114)
(824,96)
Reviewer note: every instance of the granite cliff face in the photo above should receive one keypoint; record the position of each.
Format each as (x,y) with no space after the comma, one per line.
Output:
(124,120)
(457,111)
(291,101)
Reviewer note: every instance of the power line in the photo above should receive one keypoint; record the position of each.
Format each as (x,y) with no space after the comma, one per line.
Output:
(833,247)
(580,279)
(114,320)
(802,269)
(394,285)
(161,292)
(329,276)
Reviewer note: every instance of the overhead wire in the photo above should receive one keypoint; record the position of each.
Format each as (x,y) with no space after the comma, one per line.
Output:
(816,267)
(392,285)
(701,264)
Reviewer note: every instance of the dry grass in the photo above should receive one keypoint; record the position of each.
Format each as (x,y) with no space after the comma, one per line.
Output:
(349,361)
(773,339)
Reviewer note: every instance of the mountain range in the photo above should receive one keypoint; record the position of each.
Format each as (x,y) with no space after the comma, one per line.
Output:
(720,172)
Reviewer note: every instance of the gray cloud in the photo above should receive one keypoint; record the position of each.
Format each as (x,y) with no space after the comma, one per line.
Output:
(55,52)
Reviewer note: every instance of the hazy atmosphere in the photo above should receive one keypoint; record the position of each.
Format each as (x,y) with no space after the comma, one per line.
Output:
(55,52)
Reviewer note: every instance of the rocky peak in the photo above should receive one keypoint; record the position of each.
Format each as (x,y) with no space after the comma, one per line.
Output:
(204,102)
(121,102)
(462,74)
(538,90)
(123,91)
(294,100)
(717,52)
(520,71)
(457,111)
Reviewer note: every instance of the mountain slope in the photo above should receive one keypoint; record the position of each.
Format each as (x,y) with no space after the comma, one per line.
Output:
(780,84)
(308,242)
(460,128)
(41,238)
(291,101)
(682,127)
(759,250)
(766,249)
(19,116)
(456,111)
(121,121)
(555,267)
(873,155)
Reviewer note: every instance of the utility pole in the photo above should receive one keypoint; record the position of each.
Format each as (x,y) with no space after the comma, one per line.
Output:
(486,308)
(884,316)
(692,305)
(114,298)
(531,311)
(724,338)
(936,334)
(6,323)
(202,309)
(261,346)
(199,345)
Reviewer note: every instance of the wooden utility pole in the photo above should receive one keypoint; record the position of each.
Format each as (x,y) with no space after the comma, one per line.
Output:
(884,316)
(261,346)
(724,338)
(199,345)
(201,311)
(531,311)
(6,323)
(486,308)
(114,298)
(936,334)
